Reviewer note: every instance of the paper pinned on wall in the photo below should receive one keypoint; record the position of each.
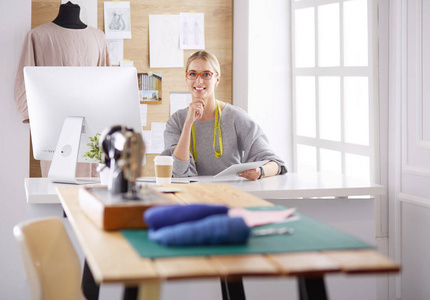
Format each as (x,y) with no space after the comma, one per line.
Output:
(164,51)
(117,20)
(157,129)
(179,101)
(88,12)
(154,138)
(147,139)
(143,113)
(192,30)
(116,51)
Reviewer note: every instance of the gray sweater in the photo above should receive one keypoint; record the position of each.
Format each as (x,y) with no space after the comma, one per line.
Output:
(243,141)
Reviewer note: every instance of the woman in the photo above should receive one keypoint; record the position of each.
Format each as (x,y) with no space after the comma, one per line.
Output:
(211,135)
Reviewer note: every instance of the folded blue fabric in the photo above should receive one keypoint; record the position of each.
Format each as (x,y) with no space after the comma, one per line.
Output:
(165,215)
(212,230)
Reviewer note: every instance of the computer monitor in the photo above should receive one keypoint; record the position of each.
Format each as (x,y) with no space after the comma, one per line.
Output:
(67,105)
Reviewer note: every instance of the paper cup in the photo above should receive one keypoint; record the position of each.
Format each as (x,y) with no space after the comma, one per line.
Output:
(163,169)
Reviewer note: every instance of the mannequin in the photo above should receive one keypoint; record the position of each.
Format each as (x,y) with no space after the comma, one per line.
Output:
(68,16)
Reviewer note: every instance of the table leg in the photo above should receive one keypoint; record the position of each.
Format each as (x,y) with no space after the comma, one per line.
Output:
(312,288)
(130,293)
(89,286)
(232,289)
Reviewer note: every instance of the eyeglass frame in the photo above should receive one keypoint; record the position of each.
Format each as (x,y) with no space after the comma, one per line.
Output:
(199,74)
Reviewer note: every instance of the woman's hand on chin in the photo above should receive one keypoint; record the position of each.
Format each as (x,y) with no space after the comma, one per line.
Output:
(195,110)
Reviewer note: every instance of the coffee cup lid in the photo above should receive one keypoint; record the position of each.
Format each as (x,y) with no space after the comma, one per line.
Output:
(163,160)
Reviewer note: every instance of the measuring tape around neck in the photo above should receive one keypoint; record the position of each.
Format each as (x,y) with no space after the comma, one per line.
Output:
(217,125)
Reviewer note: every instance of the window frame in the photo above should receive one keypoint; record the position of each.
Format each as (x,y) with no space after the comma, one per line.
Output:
(370,71)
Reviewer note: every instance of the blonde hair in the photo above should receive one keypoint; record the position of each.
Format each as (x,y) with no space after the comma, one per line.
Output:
(209,57)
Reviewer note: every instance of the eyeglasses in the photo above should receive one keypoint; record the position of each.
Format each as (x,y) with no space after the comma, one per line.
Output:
(206,75)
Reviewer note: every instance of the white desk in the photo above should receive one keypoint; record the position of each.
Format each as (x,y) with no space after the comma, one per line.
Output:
(288,186)
(40,190)
(298,185)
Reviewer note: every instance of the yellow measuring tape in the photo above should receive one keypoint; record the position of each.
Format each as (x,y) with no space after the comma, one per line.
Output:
(217,125)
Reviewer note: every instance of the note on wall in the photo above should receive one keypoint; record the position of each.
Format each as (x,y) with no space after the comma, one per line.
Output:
(117,20)
(143,113)
(179,101)
(154,138)
(164,51)
(192,30)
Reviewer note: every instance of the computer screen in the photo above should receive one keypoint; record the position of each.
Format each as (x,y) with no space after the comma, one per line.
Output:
(102,96)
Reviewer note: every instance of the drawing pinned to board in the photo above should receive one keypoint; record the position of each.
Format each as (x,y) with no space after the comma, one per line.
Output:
(116,51)
(192,30)
(117,20)
(164,51)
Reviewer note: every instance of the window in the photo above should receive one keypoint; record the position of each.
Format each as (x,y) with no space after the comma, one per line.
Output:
(333,84)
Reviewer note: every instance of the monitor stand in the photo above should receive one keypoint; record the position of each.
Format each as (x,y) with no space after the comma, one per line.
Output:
(63,166)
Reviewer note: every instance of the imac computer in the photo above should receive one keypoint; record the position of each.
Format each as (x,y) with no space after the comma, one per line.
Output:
(67,105)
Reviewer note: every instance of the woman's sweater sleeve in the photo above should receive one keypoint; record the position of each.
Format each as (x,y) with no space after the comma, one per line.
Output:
(254,143)
(171,137)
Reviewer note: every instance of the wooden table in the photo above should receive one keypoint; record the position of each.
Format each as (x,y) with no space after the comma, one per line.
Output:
(111,259)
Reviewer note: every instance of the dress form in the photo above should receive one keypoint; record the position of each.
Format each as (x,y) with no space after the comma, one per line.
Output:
(68,16)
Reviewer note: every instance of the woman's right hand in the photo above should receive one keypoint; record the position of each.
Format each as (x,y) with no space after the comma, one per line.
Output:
(195,110)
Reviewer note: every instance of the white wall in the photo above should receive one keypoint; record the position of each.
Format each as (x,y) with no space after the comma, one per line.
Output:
(409,144)
(15,22)
(240,53)
(261,69)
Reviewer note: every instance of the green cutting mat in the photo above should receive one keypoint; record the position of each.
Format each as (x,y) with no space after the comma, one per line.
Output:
(309,235)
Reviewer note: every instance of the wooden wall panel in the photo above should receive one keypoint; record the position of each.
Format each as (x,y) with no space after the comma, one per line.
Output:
(218,40)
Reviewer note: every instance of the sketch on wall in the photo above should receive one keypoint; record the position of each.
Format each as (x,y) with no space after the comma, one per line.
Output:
(164,51)
(116,51)
(117,20)
(192,30)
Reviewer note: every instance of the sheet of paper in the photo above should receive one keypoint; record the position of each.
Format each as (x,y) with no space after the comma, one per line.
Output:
(116,51)
(192,30)
(88,12)
(117,20)
(154,138)
(147,139)
(143,113)
(164,51)
(157,129)
(237,168)
(179,101)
